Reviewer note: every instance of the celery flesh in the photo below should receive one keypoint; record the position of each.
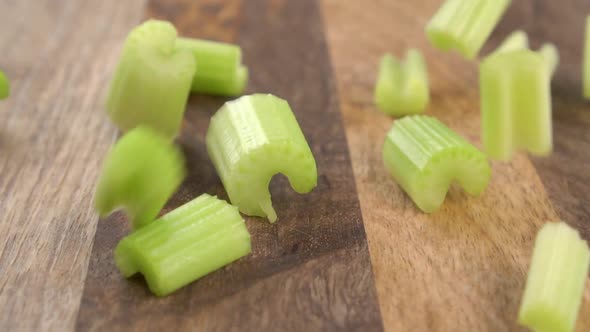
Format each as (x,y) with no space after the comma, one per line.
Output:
(402,88)
(152,81)
(465,25)
(586,61)
(4,86)
(140,174)
(516,41)
(196,239)
(425,157)
(219,67)
(555,283)
(253,138)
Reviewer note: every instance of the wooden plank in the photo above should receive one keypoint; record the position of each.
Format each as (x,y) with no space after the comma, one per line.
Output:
(53,135)
(463,268)
(309,270)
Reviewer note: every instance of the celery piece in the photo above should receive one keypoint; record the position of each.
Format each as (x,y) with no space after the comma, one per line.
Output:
(253,138)
(516,41)
(515,104)
(424,157)
(586,61)
(140,174)
(465,25)
(152,80)
(219,67)
(4,86)
(555,283)
(191,241)
(402,88)
(550,55)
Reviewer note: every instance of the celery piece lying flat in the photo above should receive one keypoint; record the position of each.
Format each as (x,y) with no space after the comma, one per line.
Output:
(219,67)
(152,81)
(4,86)
(424,157)
(586,61)
(140,174)
(555,283)
(253,138)
(197,238)
(465,25)
(402,88)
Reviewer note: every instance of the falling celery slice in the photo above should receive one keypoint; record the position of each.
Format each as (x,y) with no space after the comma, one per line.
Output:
(219,67)
(586,61)
(555,283)
(465,25)
(253,138)
(197,238)
(4,86)
(152,81)
(140,174)
(402,88)
(424,157)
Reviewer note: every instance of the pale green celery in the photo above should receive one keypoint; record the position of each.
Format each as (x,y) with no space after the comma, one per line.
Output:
(515,104)
(550,55)
(152,81)
(140,174)
(465,25)
(402,88)
(184,245)
(518,41)
(555,284)
(4,86)
(219,67)
(586,61)
(253,138)
(425,157)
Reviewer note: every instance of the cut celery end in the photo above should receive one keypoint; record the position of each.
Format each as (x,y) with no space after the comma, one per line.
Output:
(140,174)
(550,55)
(402,88)
(515,104)
(465,25)
(4,86)
(425,157)
(250,140)
(586,61)
(516,41)
(152,81)
(555,283)
(184,245)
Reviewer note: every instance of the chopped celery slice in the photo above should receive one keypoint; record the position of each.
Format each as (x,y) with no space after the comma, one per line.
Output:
(424,157)
(402,88)
(4,86)
(152,81)
(555,283)
(465,25)
(219,67)
(253,138)
(140,174)
(587,61)
(197,238)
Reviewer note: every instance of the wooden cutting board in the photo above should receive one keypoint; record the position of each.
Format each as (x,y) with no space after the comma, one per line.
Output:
(355,254)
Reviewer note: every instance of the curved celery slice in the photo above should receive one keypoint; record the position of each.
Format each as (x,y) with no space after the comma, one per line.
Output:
(402,88)
(251,139)
(586,61)
(152,81)
(555,283)
(465,25)
(140,174)
(197,238)
(4,86)
(424,157)
(219,67)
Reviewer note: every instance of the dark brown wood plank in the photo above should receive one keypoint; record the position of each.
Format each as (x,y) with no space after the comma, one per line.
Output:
(311,270)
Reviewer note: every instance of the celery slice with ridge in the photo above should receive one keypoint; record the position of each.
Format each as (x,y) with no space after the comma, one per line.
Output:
(219,67)
(152,81)
(586,60)
(465,25)
(402,88)
(191,241)
(4,86)
(253,138)
(140,174)
(425,157)
(555,284)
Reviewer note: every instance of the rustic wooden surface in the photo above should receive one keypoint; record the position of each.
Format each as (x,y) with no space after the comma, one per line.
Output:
(461,269)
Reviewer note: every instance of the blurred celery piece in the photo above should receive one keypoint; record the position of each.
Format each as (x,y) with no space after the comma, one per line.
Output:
(219,67)
(425,157)
(253,138)
(465,25)
(189,242)
(587,61)
(4,86)
(555,283)
(152,81)
(518,41)
(140,174)
(402,88)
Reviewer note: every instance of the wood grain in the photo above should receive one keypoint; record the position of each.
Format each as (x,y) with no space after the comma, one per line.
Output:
(463,268)
(310,270)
